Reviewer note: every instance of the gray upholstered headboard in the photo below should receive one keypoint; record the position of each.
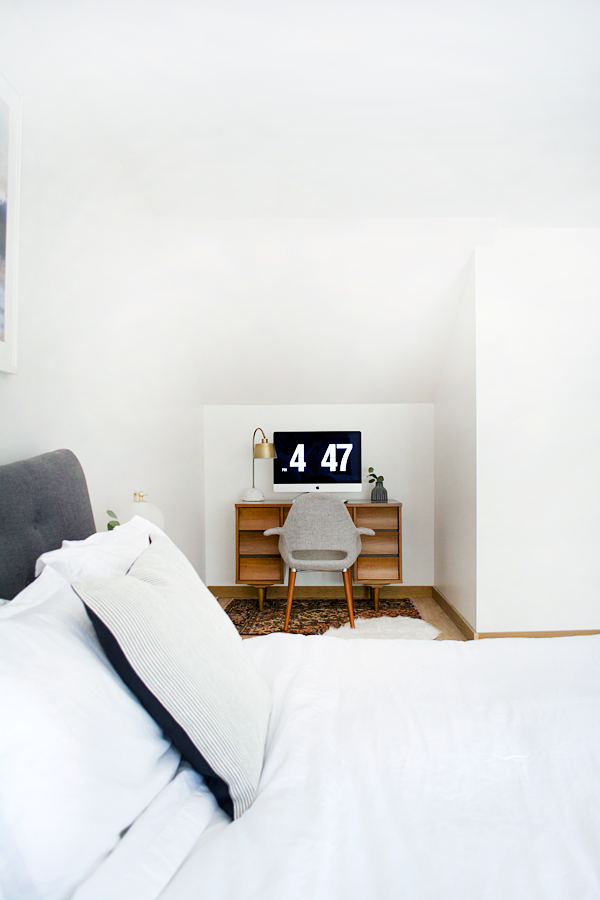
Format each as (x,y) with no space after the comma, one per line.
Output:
(43,501)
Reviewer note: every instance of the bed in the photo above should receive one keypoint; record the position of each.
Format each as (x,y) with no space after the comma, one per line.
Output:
(278,768)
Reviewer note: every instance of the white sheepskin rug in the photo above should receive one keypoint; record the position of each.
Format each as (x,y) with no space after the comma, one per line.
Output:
(386,628)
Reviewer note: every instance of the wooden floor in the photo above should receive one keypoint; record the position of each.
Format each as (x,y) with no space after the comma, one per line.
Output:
(431,613)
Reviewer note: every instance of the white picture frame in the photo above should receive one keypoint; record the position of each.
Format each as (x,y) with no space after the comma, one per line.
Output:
(10,139)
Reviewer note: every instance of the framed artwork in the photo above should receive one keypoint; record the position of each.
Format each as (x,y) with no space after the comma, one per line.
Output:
(10,129)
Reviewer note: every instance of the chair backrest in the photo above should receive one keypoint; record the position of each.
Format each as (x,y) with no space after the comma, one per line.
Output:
(319,522)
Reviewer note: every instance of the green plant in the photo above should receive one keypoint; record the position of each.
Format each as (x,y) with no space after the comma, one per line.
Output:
(113,522)
(373,477)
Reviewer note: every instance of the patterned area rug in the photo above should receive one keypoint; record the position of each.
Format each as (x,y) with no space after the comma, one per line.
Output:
(309,616)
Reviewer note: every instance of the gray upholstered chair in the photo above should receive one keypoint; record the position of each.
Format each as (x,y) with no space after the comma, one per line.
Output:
(319,536)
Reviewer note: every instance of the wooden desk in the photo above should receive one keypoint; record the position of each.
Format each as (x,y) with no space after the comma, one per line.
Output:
(257,559)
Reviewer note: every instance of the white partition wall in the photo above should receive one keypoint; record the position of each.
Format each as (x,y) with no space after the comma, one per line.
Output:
(538,431)
(455,464)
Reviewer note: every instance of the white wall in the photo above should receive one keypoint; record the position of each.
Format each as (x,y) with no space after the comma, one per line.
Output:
(273,297)
(538,430)
(455,464)
(105,367)
(397,441)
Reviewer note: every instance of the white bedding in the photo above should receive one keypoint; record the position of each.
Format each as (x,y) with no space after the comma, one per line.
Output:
(396,769)
(156,844)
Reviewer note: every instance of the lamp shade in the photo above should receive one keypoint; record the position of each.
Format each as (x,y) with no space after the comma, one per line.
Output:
(264,450)
(141,507)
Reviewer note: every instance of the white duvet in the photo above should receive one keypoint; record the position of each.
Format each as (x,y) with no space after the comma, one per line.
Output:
(395,769)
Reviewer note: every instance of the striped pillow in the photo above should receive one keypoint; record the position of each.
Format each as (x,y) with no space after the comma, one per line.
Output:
(177,650)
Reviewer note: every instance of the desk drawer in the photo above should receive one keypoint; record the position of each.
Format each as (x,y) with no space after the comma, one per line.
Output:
(254,543)
(384,542)
(377,568)
(257,569)
(385,517)
(258,519)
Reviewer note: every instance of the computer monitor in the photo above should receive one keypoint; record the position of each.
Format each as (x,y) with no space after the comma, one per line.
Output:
(317,461)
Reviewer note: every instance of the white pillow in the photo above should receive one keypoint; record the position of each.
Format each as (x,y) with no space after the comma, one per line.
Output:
(176,648)
(102,555)
(81,759)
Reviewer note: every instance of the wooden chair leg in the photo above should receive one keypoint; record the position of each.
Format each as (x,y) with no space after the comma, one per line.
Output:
(349,600)
(290,597)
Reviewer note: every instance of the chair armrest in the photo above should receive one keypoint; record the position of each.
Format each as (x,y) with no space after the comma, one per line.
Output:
(279,530)
(366,531)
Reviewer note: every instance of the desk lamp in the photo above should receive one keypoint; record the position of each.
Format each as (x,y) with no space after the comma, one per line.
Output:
(262,450)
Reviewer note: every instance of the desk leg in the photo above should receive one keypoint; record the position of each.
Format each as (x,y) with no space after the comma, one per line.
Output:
(262,593)
(375,589)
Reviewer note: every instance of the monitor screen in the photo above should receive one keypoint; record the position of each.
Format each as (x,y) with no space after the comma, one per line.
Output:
(317,460)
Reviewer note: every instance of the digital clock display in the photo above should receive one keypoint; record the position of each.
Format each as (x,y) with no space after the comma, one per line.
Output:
(317,457)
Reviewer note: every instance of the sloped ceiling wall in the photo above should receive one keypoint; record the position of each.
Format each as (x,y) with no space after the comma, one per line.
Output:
(320,173)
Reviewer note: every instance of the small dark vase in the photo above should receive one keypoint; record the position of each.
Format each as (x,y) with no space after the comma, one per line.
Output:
(379,494)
